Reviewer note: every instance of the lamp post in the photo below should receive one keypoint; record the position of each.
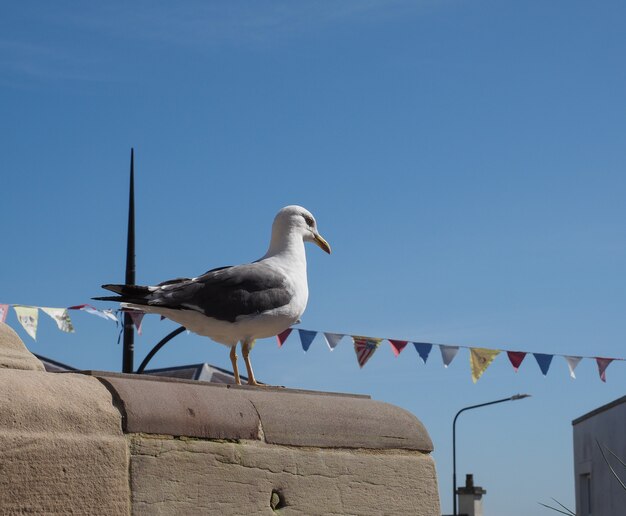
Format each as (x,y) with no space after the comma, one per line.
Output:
(512,398)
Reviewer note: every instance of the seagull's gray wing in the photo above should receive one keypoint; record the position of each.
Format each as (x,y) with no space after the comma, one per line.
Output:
(227,293)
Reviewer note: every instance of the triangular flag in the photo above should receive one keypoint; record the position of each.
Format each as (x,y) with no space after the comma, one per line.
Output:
(28,316)
(397,346)
(61,317)
(105,314)
(136,316)
(448,353)
(544,362)
(423,348)
(332,339)
(603,363)
(365,347)
(572,362)
(480,359)
(4,311)
(516,358)
(282,337)
(306,337)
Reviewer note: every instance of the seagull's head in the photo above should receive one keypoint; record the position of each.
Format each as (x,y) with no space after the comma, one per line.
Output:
(296,219)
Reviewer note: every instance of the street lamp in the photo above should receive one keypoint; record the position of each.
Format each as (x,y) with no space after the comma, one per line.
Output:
(512,398)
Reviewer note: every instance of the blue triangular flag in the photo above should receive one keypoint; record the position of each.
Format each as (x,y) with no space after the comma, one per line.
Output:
(423,348)
(306,337)
(544,361)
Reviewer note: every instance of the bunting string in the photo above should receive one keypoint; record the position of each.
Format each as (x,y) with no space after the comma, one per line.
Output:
(28,316)
(480,358)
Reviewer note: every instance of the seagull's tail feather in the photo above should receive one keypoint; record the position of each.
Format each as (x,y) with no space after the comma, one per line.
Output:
(128,290)
(136,294)
(108,298)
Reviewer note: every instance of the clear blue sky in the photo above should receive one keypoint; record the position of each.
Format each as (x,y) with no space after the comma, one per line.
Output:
(466,161)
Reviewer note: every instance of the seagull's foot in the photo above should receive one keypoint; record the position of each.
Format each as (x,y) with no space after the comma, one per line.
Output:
(253,382)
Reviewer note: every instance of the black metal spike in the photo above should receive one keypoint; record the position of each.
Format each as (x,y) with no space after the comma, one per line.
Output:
(129,332)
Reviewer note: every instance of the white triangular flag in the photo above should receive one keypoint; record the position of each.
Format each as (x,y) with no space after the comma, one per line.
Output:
(448,353)
(332,339)
(61,317)
(28,317)
(105,314)
(572,362)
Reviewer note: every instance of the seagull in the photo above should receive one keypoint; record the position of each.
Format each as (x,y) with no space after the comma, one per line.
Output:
(241,303)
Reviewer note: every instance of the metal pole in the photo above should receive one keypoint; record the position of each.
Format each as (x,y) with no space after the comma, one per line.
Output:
(512,398)
(129,332)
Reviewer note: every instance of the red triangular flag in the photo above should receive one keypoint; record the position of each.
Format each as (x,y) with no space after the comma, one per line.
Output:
(516,358)
(365,347)
(603,363)
(397,345)
(282,337)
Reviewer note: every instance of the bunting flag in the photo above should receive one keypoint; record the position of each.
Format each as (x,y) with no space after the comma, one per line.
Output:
(448,353)
(516,358)
(480,359)
(282,337)
(397,346)
(544,362)
(4,311)
(423,349)
(61,317)
(105,314)
(603,363)
(306,337)
(572,362)
(332,339)
(136,316)
(365,347)
(28,317)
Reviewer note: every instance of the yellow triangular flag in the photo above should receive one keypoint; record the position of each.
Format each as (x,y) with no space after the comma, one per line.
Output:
(28,316)
(480,358)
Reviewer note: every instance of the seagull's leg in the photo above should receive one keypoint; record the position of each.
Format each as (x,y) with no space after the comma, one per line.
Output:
(233,359)
(246,346)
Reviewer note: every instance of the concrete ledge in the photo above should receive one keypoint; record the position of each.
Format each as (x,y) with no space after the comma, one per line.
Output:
(132,444)
(276,415)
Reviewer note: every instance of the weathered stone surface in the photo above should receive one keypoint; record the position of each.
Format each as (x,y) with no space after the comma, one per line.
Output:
(192,409)
(299,419)
(278,416)
(62,449)
(179,476)
(61,446)
(13,352)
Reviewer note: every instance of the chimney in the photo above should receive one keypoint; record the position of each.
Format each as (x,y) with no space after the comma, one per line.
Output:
(470,498)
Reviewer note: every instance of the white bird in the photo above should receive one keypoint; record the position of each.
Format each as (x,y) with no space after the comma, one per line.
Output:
(239,303)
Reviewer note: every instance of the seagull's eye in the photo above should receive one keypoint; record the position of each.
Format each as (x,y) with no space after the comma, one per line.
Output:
(308,220)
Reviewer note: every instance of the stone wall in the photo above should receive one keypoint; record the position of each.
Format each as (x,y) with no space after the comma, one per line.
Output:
(107,443)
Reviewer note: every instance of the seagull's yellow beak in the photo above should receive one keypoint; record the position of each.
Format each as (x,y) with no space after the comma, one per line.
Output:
(323,245)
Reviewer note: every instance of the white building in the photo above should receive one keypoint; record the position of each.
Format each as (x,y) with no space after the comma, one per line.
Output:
(598,492)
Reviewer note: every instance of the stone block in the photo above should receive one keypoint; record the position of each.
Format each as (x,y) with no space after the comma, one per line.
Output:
(13,352)
(191,476)
(275,415)
(61,446)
